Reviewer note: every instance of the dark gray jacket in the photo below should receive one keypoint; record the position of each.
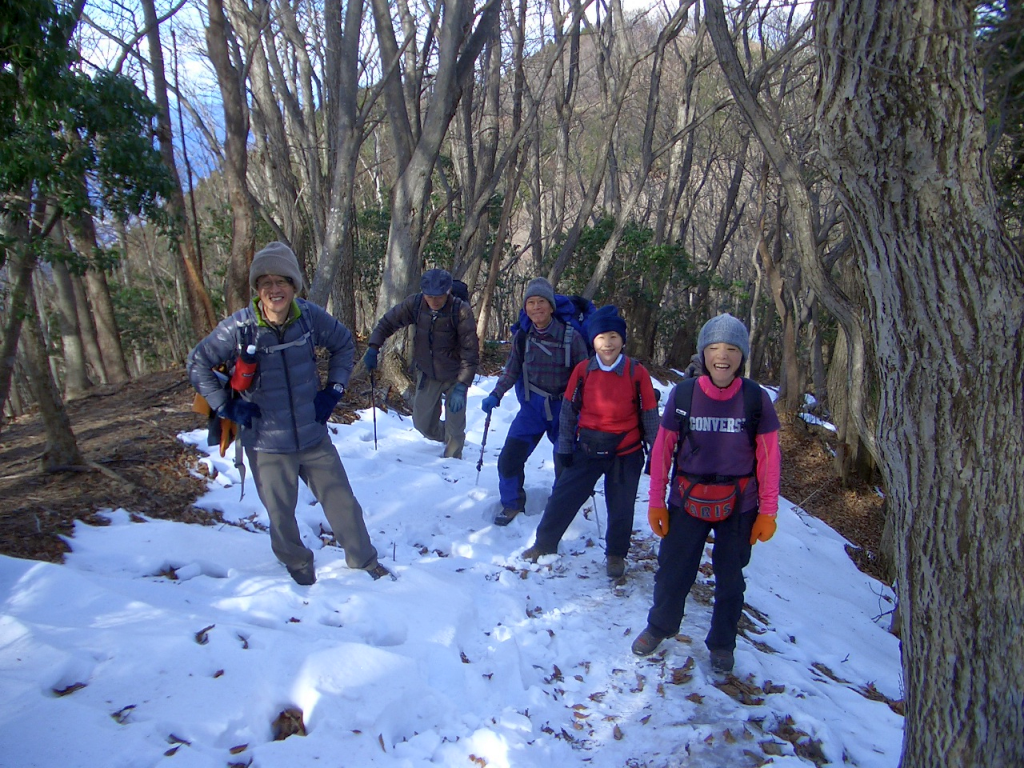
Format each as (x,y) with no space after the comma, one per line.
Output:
(286,379)
(445,347)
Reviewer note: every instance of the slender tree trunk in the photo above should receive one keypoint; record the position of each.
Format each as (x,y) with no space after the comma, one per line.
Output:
(199,305)
(20,267)
(61,449)
(76,381)
(87,329)
(83,234)
(236,134)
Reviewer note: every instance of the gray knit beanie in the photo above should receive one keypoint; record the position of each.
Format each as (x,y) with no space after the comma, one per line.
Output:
(539,286)
(276,259)
(724,329)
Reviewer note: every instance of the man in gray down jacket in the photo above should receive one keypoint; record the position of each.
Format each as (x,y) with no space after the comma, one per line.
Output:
(283,414)
(445,352)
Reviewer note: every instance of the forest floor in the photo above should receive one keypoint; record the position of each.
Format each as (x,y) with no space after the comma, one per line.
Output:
(128,437)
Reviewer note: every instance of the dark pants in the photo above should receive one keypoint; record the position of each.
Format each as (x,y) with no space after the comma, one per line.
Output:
(576,483)
(678,560)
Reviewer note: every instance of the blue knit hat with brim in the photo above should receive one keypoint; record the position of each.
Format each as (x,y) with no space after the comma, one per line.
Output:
(606,320)
(436,282)
(724,329)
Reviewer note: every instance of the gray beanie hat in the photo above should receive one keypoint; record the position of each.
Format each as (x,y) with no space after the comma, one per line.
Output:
(436,282)
(724,329)
(276,259)
(539,286)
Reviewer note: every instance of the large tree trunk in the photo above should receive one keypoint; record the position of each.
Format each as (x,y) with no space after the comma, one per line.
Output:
(902,127)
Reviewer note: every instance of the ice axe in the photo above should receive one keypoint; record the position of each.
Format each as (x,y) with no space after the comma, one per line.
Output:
(483,446)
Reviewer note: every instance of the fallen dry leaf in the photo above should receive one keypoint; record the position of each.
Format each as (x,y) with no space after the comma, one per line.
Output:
(202,636)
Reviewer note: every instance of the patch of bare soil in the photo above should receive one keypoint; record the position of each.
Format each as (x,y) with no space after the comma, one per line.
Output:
(128,435)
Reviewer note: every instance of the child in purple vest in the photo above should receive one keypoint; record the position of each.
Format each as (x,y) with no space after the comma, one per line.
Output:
(722,479)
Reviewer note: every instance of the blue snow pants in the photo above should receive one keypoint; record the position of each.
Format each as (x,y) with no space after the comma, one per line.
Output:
(525,431)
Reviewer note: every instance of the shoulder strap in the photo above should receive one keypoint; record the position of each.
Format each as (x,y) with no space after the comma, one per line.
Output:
(752,408)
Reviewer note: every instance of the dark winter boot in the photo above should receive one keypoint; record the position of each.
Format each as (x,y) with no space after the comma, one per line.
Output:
(304,576)
(615,567)
(506,516)
(721,661)
(646,643)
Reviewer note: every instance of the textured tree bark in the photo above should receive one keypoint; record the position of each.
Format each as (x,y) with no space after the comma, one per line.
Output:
(901,120)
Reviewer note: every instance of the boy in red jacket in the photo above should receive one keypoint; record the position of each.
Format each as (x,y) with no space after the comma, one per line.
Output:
(721,478)
(608,411)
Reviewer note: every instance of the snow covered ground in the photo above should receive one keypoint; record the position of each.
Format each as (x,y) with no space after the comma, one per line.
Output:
(161,641)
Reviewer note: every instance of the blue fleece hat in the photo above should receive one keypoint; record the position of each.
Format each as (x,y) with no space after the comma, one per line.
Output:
(724,329)
(606,320)
(436,282)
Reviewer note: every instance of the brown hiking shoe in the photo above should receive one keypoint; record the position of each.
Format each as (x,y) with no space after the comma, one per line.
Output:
(379,571)
(534,553)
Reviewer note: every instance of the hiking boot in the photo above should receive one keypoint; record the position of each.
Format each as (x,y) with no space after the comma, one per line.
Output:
(304,576)
(534,553)
(506,516)
(379,571)
(615,567)
(721,661)
(646,643)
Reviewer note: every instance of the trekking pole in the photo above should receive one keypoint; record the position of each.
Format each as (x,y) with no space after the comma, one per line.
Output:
(373,407)
(597,517)
(483,445)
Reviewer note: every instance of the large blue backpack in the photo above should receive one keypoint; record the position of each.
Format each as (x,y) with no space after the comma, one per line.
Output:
(571,310)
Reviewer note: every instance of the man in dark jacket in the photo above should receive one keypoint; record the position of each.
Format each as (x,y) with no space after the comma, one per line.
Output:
(445,352)
(283,413)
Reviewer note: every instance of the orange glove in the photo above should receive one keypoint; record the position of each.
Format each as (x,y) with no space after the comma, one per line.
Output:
(764,529)
(658,518)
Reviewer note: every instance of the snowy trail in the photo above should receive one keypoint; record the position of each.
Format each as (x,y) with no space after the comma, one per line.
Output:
(473,657)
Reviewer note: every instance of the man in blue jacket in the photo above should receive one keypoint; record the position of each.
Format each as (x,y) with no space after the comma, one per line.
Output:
(283,413)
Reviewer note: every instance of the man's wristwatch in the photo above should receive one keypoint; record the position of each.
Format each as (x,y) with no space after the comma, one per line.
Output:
(339,388)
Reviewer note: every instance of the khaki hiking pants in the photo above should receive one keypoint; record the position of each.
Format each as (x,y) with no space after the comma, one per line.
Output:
(320,468)
(426,415)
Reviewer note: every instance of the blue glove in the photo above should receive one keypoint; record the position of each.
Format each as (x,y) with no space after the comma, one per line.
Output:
(240,411)
(489,404)
(325,401)
(370,358)
(457,399)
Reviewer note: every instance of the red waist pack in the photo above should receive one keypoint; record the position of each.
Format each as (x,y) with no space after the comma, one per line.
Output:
(711,498)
